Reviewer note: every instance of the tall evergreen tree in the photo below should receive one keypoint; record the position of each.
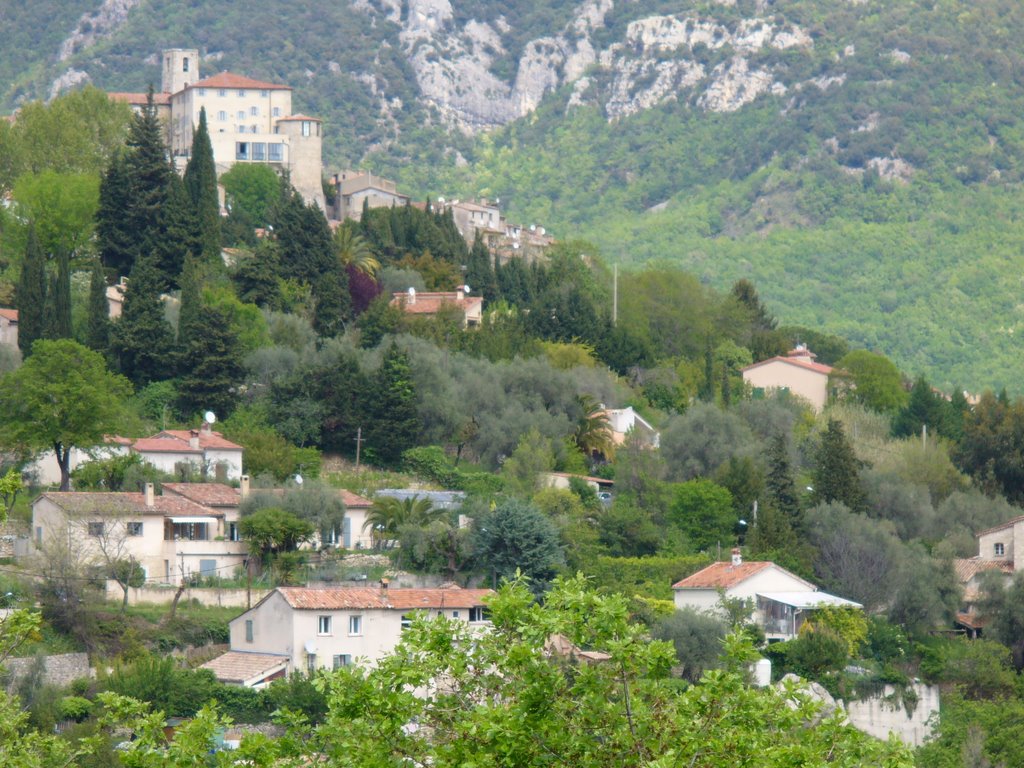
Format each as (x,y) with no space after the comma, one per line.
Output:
(304,240)
(331,302)
(924,408)
(30,296)
(58,301)
(837,470)
(114,233)
(201,183)
(779,481)
(148,172)
(97,333)
(191,322)
(394,423)
(142,341)
(480,271)
(178,233)
(212,368)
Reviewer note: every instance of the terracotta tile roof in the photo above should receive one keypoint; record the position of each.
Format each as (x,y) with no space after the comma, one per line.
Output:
(970,620)
(177,441)
(126,503)
(238,666)
(139,98)
(816,367)
(722,575)
(350,499)
(231,80)
(10,314)
(339,598)
(1001,526)
(430,303)
(207,494)
(967,568)
(298,117)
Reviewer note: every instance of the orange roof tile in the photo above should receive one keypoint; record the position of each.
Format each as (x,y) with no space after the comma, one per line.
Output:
(126,504)
(298,117)
(340,598)
(1007,524)
(967,568)
(722,575)
(139,98)
(430,303)
(231,80)
(177,441)
(350,499)
(207,494)
(816,367)
(9,314)
(238,666)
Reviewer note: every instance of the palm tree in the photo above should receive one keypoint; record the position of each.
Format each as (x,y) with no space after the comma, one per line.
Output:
(387,516)
(593,433)
(353,251)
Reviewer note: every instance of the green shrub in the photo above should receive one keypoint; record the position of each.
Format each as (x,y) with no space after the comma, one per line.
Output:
(74,708)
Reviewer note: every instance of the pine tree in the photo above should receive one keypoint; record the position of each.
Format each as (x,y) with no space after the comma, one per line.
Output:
(331,303)
(779,481)
(58,301)
(923,408)
(480,271)
(178,228)
(256,276)
(30,296)
(116,239)
(142,341)
(190,315)
(304,240)
(201,183)
(211,366)
(837,470)
(97,334)
(148,172)
(393,421)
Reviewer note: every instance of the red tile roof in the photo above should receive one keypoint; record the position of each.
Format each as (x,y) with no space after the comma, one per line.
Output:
(10,314)
(241,82)
(207,494)
(1007,524)
(177,441)
(430,303)
(139,98)
(126,504)
(238,666)
(722,575)
(967,568)
(339,598)
(350,499)
(816,367)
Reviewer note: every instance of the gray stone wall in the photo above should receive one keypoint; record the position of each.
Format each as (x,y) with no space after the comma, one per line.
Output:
(60,669)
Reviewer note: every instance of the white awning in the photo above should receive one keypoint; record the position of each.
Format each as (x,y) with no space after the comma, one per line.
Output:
(212,520)
(808,600)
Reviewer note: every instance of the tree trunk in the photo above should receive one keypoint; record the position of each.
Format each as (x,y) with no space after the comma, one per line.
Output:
(124,603)
(177,597)
(63,460)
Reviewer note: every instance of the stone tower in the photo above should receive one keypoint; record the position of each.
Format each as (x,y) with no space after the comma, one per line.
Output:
(180,69)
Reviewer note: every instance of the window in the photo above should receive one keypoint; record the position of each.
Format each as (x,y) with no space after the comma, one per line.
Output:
(406,621)
(241,115)
(275,153)
(311,662)
(455,614)
(222,116)
(241,129)
(186,531)
(254,111)
(39,535)
(342,660)
(202,91)
(479,613)
(355,625)
(254,129)
(242,150)
(307,127)
(184,64)
(276,112)
(134,529)
(248,630)
(265,94)
(95,529)
(233,534)
(242,94)
(999,549)
(222,92)
(207,568)
(323,625)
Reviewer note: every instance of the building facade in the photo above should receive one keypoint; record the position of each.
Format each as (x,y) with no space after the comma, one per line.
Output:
(354,189)
(796,373)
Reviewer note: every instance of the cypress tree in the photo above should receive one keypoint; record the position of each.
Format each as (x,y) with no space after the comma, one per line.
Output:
(779,482)
(142,340)
(331,303)
(480,271)
(211,367)
(58,301)
(148,172)
(178,225)
(30,296)
(190,319)
(393,423)
(201,184)
(113,229)
(97,334)
(837,470)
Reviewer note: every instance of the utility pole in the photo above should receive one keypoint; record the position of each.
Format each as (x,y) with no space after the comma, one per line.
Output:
(359,445)
(615,294)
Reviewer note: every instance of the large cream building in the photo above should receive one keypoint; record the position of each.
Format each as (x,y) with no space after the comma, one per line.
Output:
(250,121)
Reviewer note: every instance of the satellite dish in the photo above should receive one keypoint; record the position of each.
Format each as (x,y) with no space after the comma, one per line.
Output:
(298,479)
(209,417)
(310,646)
(465,288)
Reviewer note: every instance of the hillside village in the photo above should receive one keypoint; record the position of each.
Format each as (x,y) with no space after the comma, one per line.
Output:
(294,442)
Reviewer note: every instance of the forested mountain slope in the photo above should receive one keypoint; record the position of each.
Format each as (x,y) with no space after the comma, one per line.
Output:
(860,161)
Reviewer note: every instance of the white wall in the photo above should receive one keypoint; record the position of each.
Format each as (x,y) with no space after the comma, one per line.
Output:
(805,383)
(879,716)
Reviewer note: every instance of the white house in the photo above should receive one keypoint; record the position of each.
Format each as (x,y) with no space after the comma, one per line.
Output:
(170,536)
(624,421)
(781,599)
(202,450)
(331,627)
(796,373)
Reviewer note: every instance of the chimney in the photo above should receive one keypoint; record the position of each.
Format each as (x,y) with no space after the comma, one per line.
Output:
(148,492)
(205,428)
(193,439)
(243,486)
(384,585)
(460,293)
(737,558)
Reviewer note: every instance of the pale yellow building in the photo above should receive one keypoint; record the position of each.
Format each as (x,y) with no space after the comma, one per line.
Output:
(250,121)
(796,373)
